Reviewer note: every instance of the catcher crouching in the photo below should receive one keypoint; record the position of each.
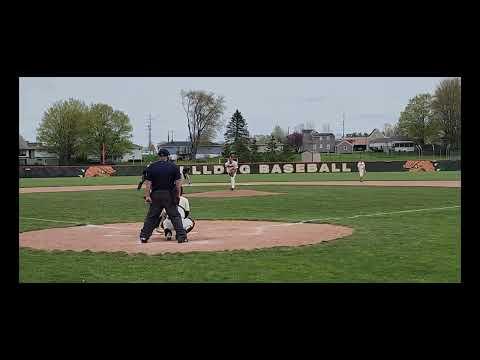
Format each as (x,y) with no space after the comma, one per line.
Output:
(165,224)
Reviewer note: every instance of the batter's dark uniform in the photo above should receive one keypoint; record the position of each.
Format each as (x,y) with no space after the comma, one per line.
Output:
(163,175)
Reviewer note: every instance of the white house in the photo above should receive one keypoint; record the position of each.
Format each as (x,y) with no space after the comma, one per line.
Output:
(134,155)
(34,154)
(181,149)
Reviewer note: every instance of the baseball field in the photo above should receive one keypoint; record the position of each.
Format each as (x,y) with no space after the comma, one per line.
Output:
(396,234)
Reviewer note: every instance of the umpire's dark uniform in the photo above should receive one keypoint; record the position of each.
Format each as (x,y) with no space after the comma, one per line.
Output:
(163,175)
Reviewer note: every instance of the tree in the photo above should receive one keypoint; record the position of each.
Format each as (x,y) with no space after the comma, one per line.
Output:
(416,121)
(237,137)
(204,111)
(60,129)
(388,130)
(295,140)
(106,130)
(271,149)
(208,136)
(279,134)
(288,153)
(254,154)
(299,128)
(446,107)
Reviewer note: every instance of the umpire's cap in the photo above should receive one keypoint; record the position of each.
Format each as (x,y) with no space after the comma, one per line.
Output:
(163,152)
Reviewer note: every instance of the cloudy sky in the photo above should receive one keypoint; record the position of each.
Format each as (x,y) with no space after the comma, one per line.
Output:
(368,103)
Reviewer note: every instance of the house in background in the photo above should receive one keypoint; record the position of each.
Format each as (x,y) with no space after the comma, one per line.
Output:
(344,146)
(31,153)
(210,150)
(394,143)
(359,143)
(134,154)
(318,142)
(181,150)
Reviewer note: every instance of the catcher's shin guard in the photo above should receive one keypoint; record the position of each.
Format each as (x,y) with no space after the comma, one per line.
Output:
(190,228)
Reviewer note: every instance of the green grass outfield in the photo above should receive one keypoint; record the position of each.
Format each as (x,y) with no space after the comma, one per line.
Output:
(403,247)
(127,180)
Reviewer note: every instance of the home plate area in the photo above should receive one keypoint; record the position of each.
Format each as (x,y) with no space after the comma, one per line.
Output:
(206,236)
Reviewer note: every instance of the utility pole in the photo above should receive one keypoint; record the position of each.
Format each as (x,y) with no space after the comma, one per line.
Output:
(149,127)
(343,122)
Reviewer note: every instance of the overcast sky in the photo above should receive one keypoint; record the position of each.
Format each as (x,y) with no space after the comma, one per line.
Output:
(264,102)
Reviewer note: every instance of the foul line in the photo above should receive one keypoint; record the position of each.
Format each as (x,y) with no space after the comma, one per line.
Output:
(59,221)
(285,224)
(380,214)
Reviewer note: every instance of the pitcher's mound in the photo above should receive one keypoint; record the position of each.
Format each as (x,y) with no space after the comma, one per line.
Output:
(230,193)
(206,236)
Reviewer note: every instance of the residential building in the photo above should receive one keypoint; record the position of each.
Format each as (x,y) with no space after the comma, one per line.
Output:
(133,155)
(31,153)
(359,143)
(394,143)
(344,146)
(181,149)
(318,142)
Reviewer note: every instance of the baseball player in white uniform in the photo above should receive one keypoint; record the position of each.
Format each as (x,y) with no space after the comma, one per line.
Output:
(184,210)
(361,169)
(232,167)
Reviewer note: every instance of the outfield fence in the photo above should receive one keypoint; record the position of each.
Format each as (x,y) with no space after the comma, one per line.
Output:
(47,171)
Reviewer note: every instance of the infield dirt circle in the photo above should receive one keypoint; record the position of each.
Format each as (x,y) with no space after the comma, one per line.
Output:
(206,236)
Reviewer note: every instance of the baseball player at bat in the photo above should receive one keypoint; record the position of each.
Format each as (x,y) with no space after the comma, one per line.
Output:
(232,167)
(184,209)
(361,169)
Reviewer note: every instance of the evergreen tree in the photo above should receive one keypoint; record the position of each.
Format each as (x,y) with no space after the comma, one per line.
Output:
(288,153)
(237,137)
(255,156)
(271,150)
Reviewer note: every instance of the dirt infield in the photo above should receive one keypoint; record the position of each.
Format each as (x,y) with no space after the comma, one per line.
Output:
(413,183)
(206,236)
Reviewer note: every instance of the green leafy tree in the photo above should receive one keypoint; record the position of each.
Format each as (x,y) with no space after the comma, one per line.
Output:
(106,128)
(237,137)
(417,121)
(60,129)
(204,116)
(446,107)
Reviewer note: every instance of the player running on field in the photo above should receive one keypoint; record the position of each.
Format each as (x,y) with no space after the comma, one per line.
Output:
(232,167)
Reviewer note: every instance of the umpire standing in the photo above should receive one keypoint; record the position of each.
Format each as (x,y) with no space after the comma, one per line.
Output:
(162,191)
